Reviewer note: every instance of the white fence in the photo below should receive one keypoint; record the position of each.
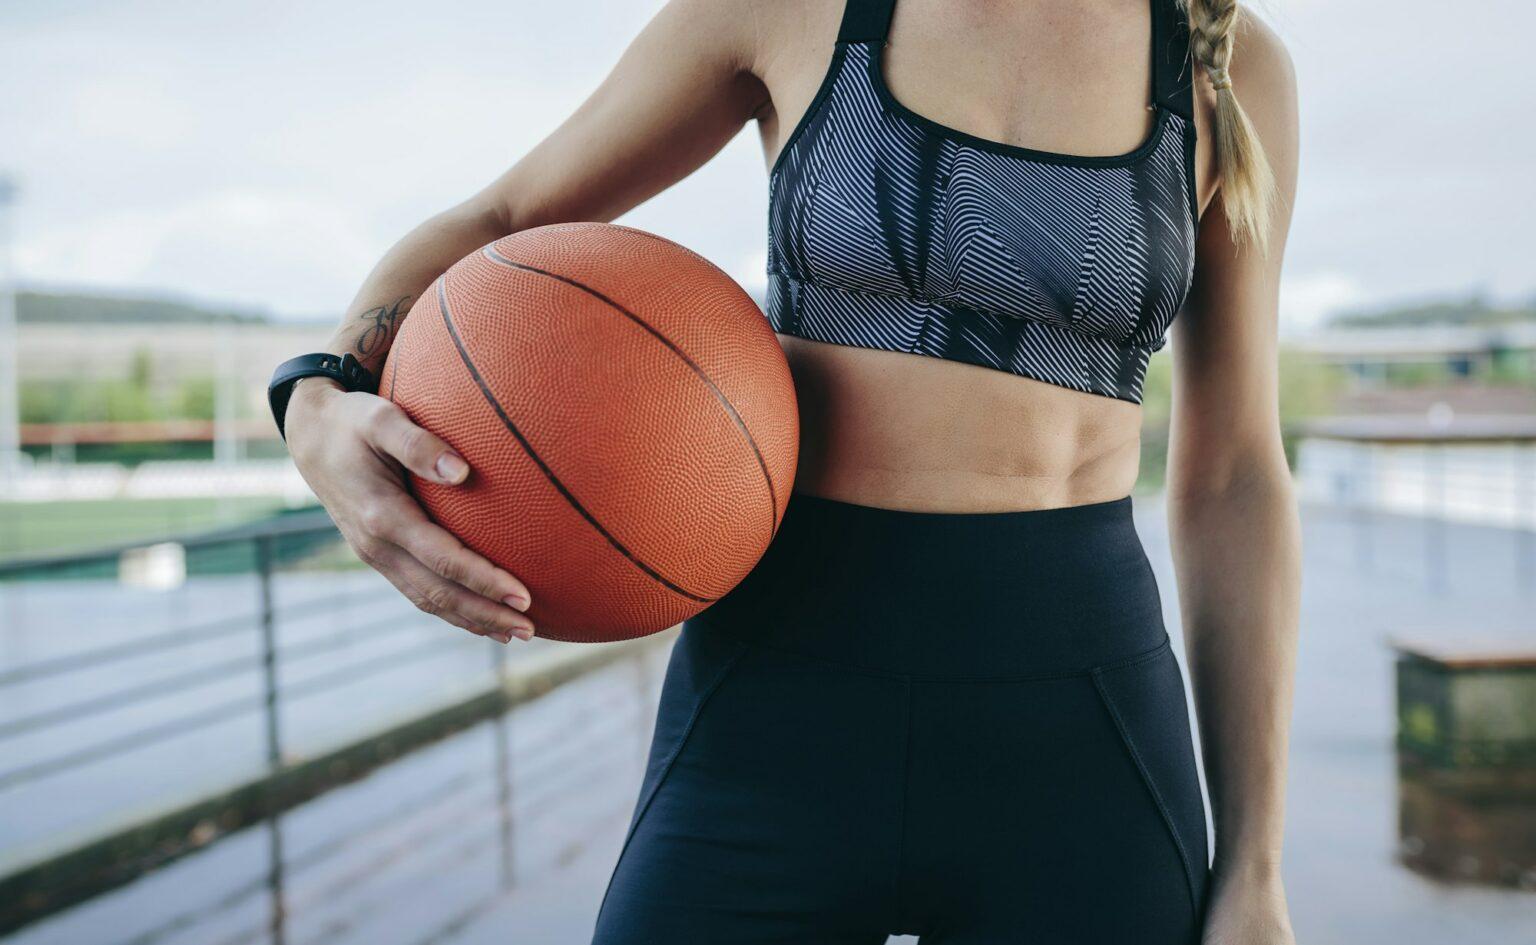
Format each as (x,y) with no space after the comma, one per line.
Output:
(1479,483)
(55,482)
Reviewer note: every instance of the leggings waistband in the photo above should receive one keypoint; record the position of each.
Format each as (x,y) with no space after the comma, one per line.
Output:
(968,595)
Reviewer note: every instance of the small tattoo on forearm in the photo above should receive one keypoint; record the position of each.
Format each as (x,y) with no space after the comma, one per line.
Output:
(381,325)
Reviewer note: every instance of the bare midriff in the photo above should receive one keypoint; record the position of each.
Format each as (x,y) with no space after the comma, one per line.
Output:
(903,431)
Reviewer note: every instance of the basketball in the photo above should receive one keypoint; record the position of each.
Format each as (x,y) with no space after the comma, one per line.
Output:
(627,415)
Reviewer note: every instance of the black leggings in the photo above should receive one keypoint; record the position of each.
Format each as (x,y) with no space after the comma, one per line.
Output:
(970,728)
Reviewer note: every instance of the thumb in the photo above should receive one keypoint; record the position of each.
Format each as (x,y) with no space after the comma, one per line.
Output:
(417,449)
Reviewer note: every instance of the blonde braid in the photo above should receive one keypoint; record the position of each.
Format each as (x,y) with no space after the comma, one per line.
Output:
(1247,183)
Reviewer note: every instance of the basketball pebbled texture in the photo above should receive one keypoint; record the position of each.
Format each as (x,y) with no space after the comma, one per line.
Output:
(627,414)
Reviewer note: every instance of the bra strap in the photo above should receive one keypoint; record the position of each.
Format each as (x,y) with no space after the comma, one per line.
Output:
(866,21)
(1172,71)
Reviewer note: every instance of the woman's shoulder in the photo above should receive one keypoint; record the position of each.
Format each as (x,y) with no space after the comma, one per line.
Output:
(760,31)
(1263,78)
(1261,65)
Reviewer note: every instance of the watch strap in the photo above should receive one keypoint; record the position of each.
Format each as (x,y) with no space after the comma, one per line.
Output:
(344,369)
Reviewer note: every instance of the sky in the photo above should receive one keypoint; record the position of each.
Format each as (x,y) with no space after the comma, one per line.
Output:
(263,155)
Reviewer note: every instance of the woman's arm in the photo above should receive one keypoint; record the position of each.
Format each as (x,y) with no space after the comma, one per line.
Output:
(1233,521)
(683,89)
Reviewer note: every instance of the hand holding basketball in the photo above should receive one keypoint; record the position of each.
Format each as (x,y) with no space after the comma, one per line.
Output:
(354,449)
(628,414)
(592,407)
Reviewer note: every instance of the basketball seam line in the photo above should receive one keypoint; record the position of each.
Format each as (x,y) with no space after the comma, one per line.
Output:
(491,253)
(453,332)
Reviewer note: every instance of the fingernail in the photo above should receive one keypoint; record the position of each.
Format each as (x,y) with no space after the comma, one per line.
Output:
(525,635)
(451,469)
(503,638)
(516,602)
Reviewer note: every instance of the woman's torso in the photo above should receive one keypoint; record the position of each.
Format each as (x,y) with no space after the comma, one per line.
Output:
(896,430)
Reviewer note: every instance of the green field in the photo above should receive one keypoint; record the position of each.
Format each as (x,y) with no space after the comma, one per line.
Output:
(32,528)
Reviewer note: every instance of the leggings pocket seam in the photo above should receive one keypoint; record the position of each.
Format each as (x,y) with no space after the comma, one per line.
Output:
(1146,775)
(666,766)
(1135,659)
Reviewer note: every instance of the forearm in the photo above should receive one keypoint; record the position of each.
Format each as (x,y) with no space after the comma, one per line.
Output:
(1237,556)
(405,272)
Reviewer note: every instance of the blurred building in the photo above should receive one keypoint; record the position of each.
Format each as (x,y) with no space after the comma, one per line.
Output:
(127,398)
(171,352)
(1465,452)
(1378,356)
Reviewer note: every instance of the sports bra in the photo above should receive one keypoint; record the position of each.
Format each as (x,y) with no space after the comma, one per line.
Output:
(890,231)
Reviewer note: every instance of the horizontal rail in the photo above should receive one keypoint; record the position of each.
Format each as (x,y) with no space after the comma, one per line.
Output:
(448,789)
(299,524)
(71,876)
(203,718)
(205,675)
(154,689)
(352,672)
(172,639)
(222,712)
(155,643)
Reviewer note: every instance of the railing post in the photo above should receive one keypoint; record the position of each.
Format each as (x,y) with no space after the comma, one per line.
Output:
(501,729)
(1436,512)
(272,724)
(1525,517)
(1363,498)
(643,717)
(268,654)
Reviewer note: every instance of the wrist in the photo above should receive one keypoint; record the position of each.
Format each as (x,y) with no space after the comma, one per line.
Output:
(309,395)
(1247,867)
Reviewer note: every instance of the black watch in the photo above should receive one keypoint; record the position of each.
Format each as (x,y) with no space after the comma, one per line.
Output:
(345,370)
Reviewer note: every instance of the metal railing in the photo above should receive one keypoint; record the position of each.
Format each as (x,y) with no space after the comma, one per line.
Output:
(293,544)
(125,671)
(1419,494)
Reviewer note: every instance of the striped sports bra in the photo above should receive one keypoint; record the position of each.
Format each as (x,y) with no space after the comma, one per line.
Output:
(890,231)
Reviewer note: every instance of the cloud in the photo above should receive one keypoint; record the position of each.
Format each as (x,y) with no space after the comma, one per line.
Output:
(141,112)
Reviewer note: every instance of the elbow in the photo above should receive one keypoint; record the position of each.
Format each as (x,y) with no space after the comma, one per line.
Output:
(487,213)
(492,213)
(477,221)
(1251,476)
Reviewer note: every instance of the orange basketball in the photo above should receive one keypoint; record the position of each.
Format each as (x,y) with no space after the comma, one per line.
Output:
(627,414)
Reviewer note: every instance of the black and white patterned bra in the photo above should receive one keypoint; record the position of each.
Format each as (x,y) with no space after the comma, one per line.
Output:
(890,231)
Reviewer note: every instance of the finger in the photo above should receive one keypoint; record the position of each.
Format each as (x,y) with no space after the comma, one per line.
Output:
(391,432)
(436,595)
(399,520)
(412,593)
(447,557)
(386,560)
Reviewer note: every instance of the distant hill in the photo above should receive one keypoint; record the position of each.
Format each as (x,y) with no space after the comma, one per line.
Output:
(81,309)
(1473,312)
